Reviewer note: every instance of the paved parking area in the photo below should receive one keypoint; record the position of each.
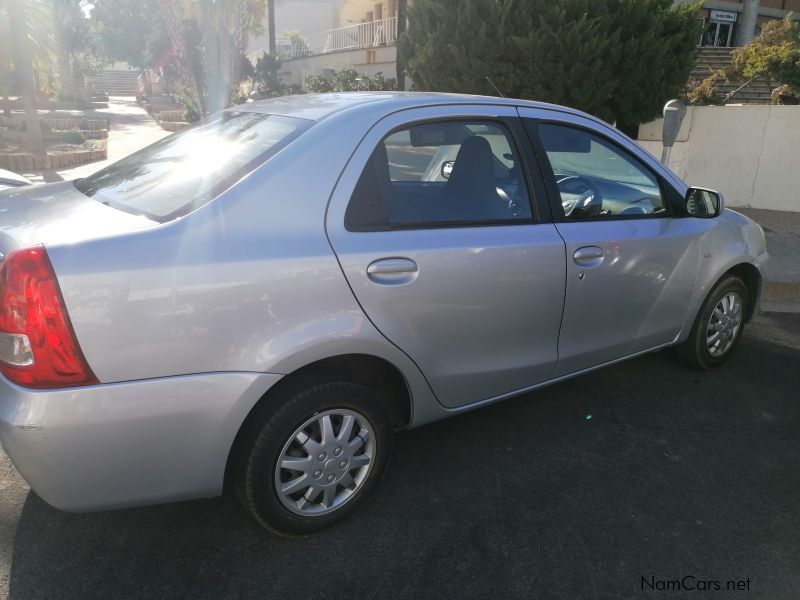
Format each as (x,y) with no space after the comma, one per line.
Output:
(676,474)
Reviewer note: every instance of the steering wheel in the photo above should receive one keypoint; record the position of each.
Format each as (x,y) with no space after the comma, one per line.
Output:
(588,201)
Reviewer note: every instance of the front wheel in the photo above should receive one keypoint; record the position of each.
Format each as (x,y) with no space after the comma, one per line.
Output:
(718,327)
(316,458)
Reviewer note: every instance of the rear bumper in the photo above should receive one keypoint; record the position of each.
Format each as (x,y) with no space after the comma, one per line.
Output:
(127,444)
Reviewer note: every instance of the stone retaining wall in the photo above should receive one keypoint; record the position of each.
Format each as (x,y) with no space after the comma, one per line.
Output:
(30,162)
(174,125)
(64,124)
(175,116)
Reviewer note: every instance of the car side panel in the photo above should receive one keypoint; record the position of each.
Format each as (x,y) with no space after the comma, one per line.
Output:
(248,283)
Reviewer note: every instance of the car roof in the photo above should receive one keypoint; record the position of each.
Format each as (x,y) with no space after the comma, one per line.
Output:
(319,106)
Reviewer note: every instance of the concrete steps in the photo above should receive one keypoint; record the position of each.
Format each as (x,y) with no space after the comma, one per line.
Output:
(116,82)
(711,60)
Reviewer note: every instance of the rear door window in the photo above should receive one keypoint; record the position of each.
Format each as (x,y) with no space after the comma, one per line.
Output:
(448,173)
(186,170)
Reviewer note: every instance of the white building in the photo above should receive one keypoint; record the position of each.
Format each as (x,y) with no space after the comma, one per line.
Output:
(333,34)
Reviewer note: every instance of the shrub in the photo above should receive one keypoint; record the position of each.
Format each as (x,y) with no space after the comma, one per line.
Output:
(72,137)
(704,93)
(775,54)
(349,80)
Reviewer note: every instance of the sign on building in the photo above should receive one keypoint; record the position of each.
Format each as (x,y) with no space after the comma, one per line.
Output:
(723,16)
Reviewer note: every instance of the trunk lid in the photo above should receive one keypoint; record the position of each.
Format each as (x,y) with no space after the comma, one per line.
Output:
(58,213)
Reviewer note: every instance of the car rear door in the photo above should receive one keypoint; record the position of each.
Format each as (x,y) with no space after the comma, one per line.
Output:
(455,263)
(631,259)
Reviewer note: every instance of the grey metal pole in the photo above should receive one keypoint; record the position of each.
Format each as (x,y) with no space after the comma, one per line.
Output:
(665,155)
(747,25)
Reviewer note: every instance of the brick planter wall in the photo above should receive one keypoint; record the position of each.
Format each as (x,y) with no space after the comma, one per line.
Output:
(55,105)
(92,134)
(174,125)
(31,162)
(175,116)
(67,124)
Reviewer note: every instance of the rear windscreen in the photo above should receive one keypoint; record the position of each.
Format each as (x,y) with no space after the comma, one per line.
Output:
(186,170)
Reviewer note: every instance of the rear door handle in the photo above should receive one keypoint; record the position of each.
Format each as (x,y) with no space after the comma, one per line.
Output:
(392,271)
(588,256)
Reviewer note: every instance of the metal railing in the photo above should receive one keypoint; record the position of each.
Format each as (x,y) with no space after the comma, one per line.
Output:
(363,35)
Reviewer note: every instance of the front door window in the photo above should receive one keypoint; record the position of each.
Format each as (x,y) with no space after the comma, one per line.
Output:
(718,34)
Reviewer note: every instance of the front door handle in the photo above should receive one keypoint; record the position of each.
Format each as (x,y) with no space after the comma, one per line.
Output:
(392,271)
(588,256)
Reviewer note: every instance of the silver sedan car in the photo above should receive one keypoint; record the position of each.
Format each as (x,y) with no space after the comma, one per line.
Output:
(261,300)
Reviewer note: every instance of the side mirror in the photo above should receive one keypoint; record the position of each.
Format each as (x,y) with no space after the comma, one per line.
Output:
(703,203)
(447,168)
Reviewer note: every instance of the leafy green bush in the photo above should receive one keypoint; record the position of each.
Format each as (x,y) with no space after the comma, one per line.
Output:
(775,54)
(72,137)
(349,80)
(191,115)
(266,75)
(704,93)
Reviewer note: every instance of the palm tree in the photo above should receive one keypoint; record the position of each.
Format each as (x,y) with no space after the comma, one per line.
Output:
(6,64)
(271,25)
(402,18)
(69,27)
(21,21)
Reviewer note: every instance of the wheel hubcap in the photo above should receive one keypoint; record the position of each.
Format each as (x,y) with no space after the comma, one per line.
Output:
(324,462)
(724,324)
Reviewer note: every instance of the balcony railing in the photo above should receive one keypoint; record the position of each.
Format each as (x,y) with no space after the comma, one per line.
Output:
(363,35)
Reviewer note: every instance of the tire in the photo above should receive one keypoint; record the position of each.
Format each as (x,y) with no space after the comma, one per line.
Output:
(354,462)
(695,351)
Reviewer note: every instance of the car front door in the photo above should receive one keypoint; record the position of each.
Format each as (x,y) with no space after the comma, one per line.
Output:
(631,259)
(435,225)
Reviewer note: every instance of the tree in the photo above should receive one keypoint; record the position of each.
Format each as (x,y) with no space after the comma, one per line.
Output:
(209,38)
(402,22)
(134,32)
(775,55)
(271,25)
(618,59)
(76,53)
(6,62)
(23,18)
(266,74)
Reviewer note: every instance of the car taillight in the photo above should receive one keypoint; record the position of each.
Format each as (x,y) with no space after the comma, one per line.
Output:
(38,348)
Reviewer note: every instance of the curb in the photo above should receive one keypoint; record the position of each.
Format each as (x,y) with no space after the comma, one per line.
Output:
(780,296)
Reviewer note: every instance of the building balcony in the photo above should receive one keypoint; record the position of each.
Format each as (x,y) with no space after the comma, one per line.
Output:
(366,35)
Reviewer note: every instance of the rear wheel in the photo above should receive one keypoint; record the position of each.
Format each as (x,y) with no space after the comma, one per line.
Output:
(315,459)
(718,326)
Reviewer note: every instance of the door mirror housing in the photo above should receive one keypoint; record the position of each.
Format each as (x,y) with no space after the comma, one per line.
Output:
(703,203)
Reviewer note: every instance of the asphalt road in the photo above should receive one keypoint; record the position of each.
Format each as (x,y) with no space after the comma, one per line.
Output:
(676,474)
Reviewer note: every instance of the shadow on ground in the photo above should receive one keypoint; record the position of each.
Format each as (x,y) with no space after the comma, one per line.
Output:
(676,473)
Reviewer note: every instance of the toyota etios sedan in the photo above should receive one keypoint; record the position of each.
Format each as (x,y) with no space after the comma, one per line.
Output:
(264,298)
